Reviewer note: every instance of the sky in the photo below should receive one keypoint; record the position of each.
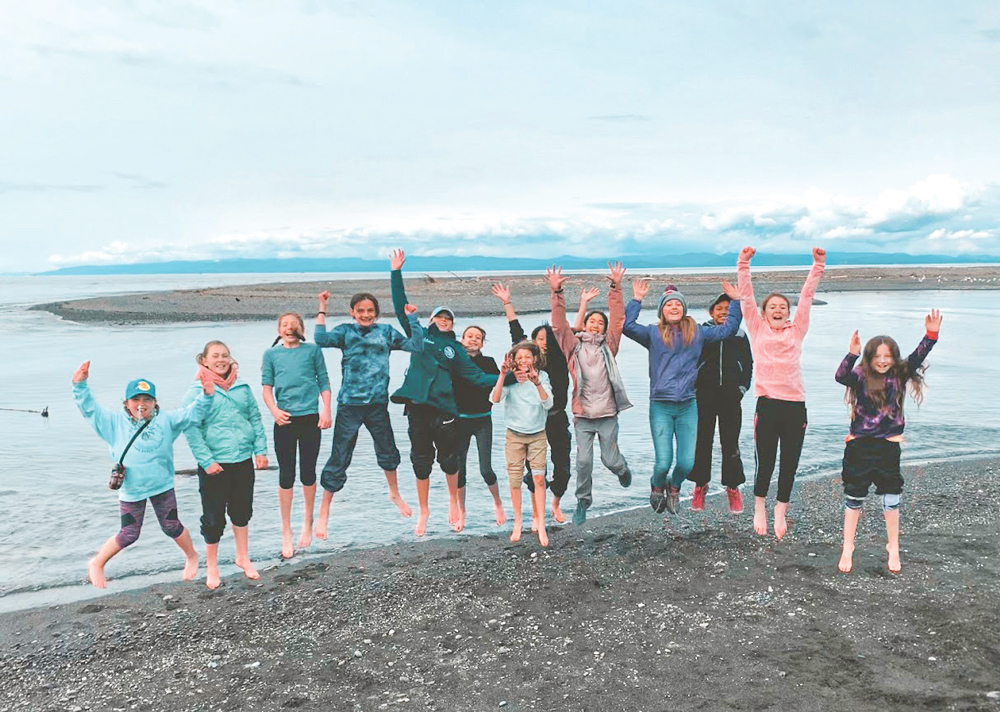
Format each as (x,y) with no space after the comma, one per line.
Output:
(142,131)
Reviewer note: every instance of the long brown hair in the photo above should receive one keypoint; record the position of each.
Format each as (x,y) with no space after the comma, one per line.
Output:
(687,326)
(875,382)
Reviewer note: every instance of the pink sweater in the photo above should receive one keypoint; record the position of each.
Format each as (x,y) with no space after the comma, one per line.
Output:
(777,353)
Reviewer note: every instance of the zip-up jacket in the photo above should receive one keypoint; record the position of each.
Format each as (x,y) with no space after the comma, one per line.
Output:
(673,368)
(726,365)
(472,401)
(434,370)
(232,431)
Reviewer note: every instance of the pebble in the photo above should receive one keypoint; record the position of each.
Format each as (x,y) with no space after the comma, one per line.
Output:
(503,703)
(995,695)
(357,653)
(252,665)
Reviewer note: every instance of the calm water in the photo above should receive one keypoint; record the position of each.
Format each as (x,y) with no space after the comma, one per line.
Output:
(56,508)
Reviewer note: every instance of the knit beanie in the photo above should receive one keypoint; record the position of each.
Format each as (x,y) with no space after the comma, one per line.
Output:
(671,293)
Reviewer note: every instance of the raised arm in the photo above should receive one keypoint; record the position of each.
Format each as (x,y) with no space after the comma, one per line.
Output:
(804,307)
(502,292)
(197,410)
(616,306)
(560,326)
(396,260)
(100,418)
(932,323)
(415,342)
(732,323)
(631,328)
(744,285)
(845,371)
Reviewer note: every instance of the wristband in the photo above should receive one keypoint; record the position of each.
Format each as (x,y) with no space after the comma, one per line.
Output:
(321,312)
(557,291)
(932,335)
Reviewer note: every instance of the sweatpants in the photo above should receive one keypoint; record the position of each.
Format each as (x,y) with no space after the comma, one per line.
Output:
(350,418)
(778,422)
(228,491)
(723,406)
(480,428)
(606,430)
(165,507)
(302,433)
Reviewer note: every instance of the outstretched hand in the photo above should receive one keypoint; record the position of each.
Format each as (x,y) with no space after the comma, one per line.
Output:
(207,384)
(588,294)
(82,373)
(640,288)
(324,298)
(396,259)
(731,291)
(855,347)
(502,292)
(410,309)
(819,254)
(555,277)
(747,253)
(508,364)
(617,273)
(932,322)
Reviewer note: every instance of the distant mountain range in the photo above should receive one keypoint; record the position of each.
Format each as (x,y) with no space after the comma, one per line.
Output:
(503,264)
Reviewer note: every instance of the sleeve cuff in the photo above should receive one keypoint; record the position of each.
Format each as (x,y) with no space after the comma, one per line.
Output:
(932,335)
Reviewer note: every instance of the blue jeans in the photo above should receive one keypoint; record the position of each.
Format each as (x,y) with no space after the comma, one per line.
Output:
(669,420)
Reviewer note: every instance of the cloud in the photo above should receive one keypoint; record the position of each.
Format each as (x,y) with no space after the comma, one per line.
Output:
(141,182)
(992,35)
(620,117)
(12,187)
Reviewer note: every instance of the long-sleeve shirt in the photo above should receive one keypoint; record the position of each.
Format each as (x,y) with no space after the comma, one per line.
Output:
(298,376)
(231,431)
(473,401)
(524,410)
(149,463)
(777,353)
(555,363)
(365,361)
(868,420)
(673,367)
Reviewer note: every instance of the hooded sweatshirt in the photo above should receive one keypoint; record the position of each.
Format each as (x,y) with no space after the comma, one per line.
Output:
(777,353)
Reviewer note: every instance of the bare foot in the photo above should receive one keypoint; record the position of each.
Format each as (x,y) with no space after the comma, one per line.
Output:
(95,572)
(305,538)
(248,569)
(212,580)
(321,526)
(287,549)
(534,524)
(780,523)
(501,514)
(515,534)
(760,518)
(190,567)
(557,513)
(452,513)
(895,566)
(846,560)
(543,537)
(459,523)
(404,508)
(422,522)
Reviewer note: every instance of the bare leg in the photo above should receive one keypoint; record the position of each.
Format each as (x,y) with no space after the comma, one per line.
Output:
(892,530)
(780,523)
(851,518)
(498,505)
(515,503)
(95,567)
(539,502)
(394,496)
(760,515)
(212,579)
(557,513)
(534,511)
(455,503)
(285,505)
(322,522)
(190,555)
(240,535)
(309,494)
(423,496)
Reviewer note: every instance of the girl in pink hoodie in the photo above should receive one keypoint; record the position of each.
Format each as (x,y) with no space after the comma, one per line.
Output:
(776,342)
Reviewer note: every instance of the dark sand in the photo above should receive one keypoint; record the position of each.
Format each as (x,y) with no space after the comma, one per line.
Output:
(625,613)
(470,296)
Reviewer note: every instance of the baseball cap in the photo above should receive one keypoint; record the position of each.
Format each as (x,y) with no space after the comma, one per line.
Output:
(140,387)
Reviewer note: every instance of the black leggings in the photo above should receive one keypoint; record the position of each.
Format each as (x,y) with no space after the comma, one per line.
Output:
(778,421)
(230,490)
(482,429)
(302,431)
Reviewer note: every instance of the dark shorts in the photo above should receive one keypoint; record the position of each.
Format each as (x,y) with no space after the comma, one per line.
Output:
(433,434)
(869,461)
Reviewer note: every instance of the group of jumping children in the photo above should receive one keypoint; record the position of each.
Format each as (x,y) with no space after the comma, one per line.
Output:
(698,374)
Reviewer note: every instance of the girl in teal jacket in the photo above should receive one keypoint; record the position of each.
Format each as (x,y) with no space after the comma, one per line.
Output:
(228,443)
(149,463)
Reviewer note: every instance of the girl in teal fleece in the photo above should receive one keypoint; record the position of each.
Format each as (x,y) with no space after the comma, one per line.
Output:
(364,393)
(228,443)
(149,463)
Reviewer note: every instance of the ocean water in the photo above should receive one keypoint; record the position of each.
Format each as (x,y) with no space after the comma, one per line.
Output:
(56,510)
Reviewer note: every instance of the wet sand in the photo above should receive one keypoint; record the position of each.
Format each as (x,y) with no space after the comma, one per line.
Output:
(471,297)
(629,612)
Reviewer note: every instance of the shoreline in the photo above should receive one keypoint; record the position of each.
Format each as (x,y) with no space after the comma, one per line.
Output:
(630,611)
(470,296)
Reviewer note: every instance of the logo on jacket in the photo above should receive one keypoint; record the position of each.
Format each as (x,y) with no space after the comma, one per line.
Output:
(449,352)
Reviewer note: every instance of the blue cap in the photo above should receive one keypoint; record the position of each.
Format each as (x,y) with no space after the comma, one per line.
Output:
(140,387)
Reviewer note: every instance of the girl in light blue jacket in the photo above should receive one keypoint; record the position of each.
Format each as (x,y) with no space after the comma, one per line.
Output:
(227,444)
(149,463)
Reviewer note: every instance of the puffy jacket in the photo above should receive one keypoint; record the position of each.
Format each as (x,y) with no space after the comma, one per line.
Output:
(673,369)
(725,365)
(232,431)
(429,379)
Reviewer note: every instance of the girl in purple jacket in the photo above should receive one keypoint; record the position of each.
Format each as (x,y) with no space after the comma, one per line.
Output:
(875,392)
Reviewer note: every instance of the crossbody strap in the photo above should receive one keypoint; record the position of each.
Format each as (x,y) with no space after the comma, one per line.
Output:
(125,451)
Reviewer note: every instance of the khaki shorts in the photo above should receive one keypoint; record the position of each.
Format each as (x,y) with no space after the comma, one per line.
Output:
(520,448)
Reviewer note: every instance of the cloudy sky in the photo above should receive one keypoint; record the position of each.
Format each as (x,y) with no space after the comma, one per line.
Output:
(138,131)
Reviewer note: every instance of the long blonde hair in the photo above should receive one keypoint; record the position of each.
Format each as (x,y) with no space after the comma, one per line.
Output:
(687,326)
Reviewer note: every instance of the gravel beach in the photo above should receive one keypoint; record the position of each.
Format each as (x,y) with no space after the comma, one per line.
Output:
(471,297)
(629,612)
